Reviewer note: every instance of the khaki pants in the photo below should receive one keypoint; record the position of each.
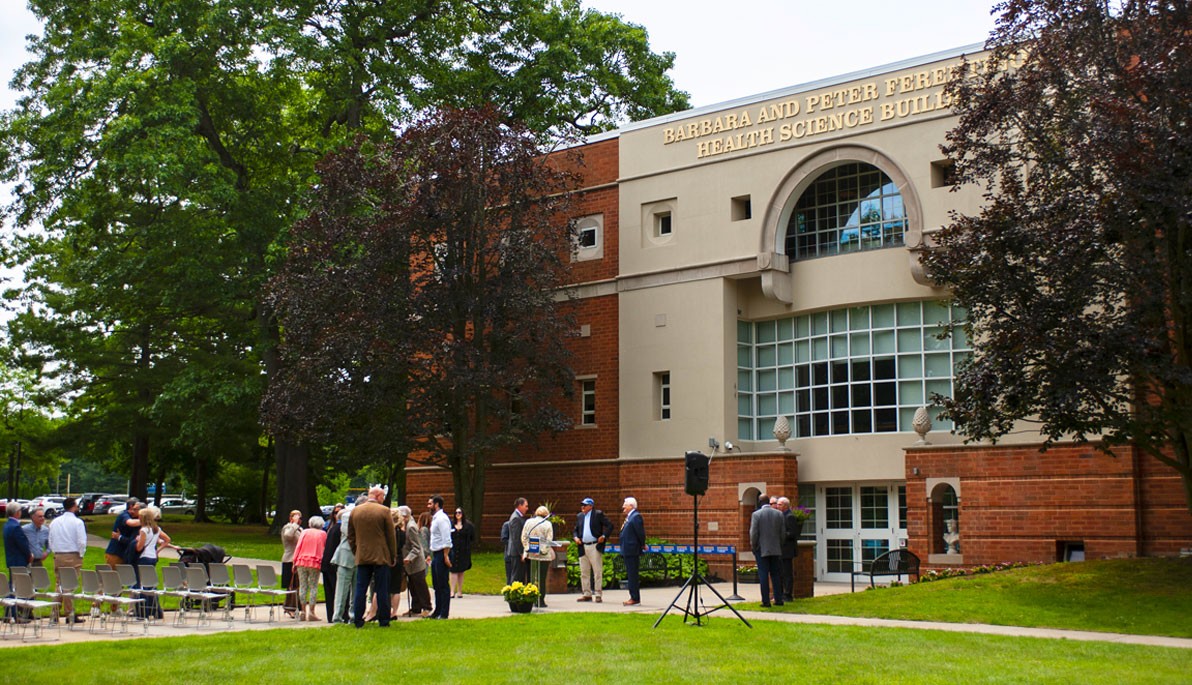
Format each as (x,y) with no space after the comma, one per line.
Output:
(73,560)
(591,561)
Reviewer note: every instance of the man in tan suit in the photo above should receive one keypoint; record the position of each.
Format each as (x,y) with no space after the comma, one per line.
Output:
(374,543)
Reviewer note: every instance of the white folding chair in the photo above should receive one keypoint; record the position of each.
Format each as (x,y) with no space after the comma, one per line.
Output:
(112,589)
(25,598)
(244,584)
(197,592)
(68,588)
(267,581)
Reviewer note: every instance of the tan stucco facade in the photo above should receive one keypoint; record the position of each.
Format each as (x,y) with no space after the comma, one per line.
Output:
(682,292)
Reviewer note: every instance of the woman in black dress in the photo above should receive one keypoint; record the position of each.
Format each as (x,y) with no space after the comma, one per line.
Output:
(463,538)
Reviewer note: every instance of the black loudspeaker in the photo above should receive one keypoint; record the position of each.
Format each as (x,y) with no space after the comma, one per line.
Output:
(696,482)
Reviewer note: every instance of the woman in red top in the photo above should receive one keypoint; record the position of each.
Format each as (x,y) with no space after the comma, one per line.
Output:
(308,562)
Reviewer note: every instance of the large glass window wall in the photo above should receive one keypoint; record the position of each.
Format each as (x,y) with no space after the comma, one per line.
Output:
(848,371)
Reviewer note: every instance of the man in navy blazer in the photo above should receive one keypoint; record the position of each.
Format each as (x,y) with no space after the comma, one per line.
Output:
(633,544)
(16,544)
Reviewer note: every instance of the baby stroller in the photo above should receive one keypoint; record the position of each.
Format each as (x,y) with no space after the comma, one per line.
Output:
(207,555)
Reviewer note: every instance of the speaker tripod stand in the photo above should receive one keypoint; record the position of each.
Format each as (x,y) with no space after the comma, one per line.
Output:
(695,607)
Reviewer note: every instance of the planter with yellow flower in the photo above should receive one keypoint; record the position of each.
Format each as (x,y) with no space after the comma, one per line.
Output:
(520,596)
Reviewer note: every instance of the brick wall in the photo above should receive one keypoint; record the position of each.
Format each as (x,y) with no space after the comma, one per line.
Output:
(1017,504)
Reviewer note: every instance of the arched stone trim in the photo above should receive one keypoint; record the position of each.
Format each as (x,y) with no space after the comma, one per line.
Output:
(782,203)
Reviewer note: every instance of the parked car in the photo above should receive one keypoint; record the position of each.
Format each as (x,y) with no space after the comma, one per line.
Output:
(177,505)
(117,509)
(104,504)
(87,502)
(52,506)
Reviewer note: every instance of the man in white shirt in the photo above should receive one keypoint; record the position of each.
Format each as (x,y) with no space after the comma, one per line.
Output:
(68,544)
(440,549)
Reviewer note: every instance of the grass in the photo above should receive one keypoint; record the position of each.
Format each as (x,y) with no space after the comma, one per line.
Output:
(246,541)
(499,650)
(1134,596)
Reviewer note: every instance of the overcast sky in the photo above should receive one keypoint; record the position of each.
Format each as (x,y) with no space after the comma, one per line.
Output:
(727,50)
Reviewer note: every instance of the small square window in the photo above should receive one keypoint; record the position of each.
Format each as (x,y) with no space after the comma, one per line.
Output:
(662,224)
(587,236)
(943,174)
(742,208)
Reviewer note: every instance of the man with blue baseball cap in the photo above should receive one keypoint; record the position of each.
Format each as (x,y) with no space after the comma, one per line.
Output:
(592,528)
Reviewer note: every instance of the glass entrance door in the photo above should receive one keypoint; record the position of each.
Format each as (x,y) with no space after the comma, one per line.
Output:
(859,522)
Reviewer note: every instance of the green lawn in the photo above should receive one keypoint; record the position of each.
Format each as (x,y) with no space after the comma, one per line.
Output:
(246,541)
(559,648)
(1135,596)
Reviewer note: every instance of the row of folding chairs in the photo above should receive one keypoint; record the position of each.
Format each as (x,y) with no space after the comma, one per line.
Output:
(131,597)
(25,609)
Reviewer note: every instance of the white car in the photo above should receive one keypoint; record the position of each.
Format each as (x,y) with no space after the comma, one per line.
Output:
(118,509)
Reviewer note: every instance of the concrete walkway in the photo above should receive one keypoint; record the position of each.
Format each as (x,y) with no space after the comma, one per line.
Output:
(654,602)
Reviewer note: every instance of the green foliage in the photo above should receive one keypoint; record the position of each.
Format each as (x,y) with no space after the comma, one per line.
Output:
(1077,271)
(161,153)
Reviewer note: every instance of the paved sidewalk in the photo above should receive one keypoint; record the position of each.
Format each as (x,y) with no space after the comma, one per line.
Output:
(654,601)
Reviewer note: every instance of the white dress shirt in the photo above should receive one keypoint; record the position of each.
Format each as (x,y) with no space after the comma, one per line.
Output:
(68,535)
(440,531)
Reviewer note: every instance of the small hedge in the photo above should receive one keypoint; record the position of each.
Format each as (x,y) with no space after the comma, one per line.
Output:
(678,565)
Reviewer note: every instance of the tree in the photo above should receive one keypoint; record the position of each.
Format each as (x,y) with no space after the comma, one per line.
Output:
(217,112)
(1077,272)
(419,298)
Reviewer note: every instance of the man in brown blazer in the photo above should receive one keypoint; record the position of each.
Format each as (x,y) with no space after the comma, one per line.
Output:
(374,543)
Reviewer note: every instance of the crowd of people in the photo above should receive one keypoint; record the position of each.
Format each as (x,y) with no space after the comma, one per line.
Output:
(371,556)
(367,554)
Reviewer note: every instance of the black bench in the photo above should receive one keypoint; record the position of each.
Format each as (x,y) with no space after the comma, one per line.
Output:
(652,563)
(896,562)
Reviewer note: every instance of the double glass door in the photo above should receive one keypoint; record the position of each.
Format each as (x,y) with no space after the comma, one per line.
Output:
(857,522)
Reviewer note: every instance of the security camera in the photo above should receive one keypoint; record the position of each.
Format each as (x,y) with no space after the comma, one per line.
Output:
(728,446)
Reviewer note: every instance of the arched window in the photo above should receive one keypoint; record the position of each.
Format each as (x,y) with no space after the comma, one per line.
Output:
(850,207)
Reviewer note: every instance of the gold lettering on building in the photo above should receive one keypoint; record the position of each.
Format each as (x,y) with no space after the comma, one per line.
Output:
(839,109)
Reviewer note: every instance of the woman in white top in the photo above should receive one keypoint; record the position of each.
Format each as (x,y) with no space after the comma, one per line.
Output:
(150,539)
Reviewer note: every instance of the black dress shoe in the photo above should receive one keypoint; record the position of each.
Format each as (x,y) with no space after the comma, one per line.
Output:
(766,606)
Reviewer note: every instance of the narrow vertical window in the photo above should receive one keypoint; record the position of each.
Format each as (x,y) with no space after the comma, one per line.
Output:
(588,402)
(662,382)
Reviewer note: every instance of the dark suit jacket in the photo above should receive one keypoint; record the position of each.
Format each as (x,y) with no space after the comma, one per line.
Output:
(766,530)
(601,527)
(633,535)
(790,541)
(334,535)
(513,548)
(16,545)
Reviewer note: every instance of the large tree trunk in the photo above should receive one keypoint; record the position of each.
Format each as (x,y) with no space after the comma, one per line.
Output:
(201,490)
(138,482)
(295,489)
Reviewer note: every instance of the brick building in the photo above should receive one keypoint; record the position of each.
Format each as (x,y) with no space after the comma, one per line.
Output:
(757,259)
